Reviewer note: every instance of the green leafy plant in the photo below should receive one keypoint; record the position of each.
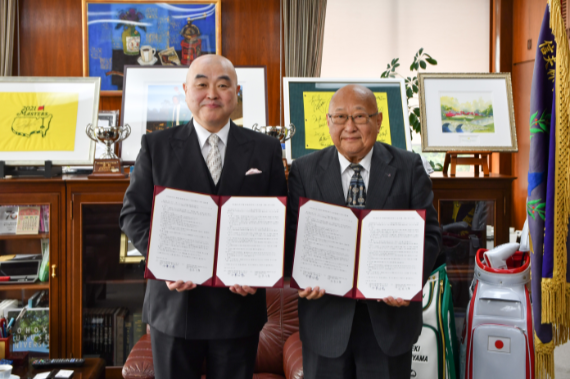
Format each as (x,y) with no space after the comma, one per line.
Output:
(421,60)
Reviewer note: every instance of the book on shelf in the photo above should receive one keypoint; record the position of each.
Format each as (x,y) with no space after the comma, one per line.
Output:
(7,304)
(44,219)
(31,332)
(108,333)
(8,219)
(38,299)
(28,220)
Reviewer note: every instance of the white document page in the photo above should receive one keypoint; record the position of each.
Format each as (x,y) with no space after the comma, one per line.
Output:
(391,254)
(325,250)
(251,241)
(183,240)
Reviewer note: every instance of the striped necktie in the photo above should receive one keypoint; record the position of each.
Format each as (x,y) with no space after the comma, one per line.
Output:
(356,196)
(214,159)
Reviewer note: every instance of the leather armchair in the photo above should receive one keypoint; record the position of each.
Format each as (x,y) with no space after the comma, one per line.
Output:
(279,353)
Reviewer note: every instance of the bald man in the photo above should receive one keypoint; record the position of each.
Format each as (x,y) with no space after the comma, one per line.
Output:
(346,338)
(210,155)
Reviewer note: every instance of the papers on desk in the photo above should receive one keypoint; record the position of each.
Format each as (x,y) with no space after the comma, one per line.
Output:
(359,253)
(60,374)
(216,240)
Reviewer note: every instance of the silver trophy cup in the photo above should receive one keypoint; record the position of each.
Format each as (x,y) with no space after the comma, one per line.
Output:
(283,133)
(108,135)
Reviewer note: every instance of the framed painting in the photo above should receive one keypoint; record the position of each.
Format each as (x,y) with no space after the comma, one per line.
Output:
(467,112)
(44,119)
(155,100)
(146,33)
(306,103)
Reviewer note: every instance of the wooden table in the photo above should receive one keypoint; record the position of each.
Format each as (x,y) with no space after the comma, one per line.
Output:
(93,368)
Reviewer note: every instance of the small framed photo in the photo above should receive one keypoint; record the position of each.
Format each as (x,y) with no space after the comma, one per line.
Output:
(44,119)
(306,103)
(128,252)
(155,100)
(146,33)
(467,112)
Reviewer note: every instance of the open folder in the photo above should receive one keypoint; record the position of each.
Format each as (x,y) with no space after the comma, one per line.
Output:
(216,240)
(359,253)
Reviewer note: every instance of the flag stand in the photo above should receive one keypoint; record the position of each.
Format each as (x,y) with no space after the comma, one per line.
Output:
(476,158)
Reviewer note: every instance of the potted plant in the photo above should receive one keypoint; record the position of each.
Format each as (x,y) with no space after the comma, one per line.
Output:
(421,60)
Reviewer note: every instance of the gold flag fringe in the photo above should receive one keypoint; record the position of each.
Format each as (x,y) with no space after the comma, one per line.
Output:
(554,299)
(544,359)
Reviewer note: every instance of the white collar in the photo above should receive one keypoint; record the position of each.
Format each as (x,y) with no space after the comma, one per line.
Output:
(203,134)
(365,162)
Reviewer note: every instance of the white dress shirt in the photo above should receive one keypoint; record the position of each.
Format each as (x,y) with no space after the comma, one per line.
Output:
(203,136)
(346,172)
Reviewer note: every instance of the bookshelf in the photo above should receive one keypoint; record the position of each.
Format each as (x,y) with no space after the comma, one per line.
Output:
(33,192)
(104,295)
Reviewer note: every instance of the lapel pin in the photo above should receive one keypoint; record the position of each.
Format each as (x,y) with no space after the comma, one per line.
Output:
(389,175)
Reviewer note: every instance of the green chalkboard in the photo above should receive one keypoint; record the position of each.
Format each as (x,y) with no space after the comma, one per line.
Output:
(295,110)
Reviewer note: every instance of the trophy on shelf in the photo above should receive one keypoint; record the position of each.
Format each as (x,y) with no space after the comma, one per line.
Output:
(283,133)
(108,165)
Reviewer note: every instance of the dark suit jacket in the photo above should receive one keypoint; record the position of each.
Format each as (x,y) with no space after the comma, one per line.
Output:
(397,181)
(172,158)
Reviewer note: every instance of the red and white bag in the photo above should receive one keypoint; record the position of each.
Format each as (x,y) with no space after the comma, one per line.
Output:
(497,338)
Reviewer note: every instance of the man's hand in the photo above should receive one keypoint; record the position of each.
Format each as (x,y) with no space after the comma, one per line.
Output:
(180,285)
(243,290)
(395,302)
(312,294)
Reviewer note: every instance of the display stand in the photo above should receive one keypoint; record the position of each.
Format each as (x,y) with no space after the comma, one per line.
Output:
(48,170)
(478,158)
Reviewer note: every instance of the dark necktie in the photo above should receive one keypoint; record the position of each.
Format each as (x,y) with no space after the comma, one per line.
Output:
(356,196)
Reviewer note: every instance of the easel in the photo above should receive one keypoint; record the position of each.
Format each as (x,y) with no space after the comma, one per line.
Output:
(479,158)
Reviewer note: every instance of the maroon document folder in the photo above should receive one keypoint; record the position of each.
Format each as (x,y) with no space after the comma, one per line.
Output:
(354,292)
(214,280)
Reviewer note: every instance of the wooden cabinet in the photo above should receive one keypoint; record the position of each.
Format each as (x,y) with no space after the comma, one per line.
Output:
(50,192)
(90,276)
(99,284)
(474,213)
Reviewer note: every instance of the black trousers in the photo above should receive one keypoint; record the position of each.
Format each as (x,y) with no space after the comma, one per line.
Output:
(362,359)
(179,358)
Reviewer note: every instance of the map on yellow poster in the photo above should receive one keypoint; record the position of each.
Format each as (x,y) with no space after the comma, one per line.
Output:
(316,105)
(38,121)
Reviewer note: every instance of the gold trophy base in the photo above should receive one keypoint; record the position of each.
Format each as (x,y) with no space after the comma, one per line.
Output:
(107,169)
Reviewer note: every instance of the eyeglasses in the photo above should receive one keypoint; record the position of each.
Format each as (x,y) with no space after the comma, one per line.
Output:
(359,118)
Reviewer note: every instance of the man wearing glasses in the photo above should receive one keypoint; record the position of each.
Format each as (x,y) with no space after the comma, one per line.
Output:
(342,337)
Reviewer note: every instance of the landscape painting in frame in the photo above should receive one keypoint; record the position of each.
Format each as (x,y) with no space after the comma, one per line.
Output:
(467,112)
(146,34)
(166,107)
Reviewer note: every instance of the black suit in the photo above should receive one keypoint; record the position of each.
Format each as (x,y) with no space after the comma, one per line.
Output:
(397,180)
(173,158)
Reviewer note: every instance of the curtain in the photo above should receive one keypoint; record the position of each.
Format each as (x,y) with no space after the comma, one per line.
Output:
(7,22)
(304,26)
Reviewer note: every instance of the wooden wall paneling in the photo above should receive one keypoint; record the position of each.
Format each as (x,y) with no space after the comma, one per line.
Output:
(501,47)
(50,38)
(527,20)
(522,82)
(250,37)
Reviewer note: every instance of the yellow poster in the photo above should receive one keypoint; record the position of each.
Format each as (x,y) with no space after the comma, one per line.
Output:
(316,105)
(38,121)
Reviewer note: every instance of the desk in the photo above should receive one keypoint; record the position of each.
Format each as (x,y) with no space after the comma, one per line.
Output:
(93,368)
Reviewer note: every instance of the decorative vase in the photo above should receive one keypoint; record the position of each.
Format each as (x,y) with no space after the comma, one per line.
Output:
(131,40)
